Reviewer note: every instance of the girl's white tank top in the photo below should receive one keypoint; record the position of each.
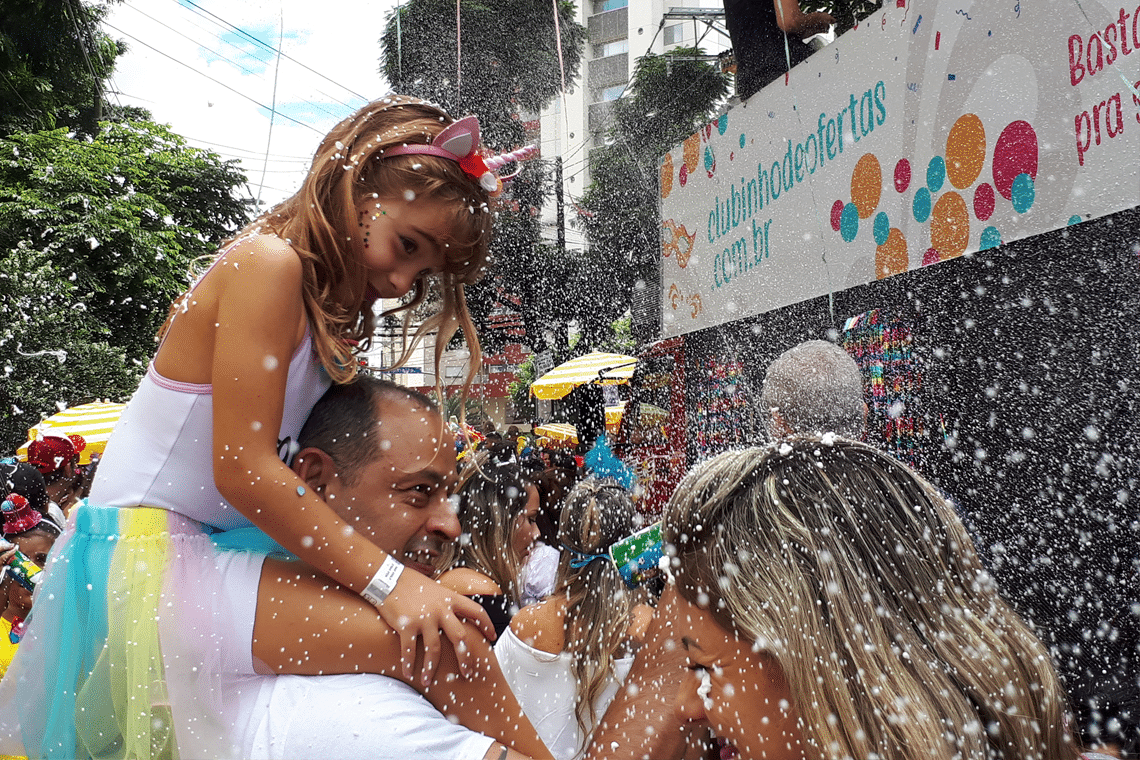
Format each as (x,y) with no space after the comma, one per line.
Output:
(161,451)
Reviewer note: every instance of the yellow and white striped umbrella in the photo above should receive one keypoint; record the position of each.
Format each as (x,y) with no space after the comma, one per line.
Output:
(596,367)
(559,432)
(93,421)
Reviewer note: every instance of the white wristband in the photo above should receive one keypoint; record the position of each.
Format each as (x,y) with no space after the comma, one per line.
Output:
(383,582)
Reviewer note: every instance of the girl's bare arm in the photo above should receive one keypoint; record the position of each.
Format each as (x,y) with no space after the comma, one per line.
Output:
(258,305)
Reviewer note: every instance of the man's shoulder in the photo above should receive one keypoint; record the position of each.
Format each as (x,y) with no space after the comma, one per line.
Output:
(303,716)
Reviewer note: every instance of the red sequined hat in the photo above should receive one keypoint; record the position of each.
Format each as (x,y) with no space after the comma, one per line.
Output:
(18,514)
(52,452)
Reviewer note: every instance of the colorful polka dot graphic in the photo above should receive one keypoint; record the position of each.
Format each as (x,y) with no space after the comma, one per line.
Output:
(951,196)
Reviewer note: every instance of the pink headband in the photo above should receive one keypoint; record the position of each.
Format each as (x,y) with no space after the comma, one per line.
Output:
(459,142)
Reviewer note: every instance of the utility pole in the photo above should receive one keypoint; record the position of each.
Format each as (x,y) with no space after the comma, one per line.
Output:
(560,205)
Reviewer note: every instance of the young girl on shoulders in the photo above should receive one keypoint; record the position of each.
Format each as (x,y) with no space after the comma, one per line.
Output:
(156,583)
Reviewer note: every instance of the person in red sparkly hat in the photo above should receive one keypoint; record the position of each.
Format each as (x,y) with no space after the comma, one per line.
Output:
(19,515)
(57,459)
(26,529)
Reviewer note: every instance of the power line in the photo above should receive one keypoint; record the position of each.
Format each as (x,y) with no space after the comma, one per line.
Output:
(280,164)
(192,142)
(224,57)
(118,92)
(295,172)
(298,165)
(215,81)
(258,153)
(196,42)
(193,18)
(69,8)
(269,139)
(8,82)
(114,90)
(88,143)
(287,193)
(269,47)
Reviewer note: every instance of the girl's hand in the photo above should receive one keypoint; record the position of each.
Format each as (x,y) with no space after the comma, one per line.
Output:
(420,607)
(7,554)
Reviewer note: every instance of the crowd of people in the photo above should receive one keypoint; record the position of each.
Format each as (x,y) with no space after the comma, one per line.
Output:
(278,557)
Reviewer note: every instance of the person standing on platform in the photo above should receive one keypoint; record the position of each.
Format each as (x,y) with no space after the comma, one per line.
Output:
(768,39)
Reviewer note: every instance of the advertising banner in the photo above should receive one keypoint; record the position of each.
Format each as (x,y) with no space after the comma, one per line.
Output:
(933,129)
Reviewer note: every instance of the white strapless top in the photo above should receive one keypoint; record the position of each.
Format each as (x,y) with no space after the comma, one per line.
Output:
(161,451)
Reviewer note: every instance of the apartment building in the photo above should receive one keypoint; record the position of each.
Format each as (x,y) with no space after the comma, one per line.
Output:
(620,31)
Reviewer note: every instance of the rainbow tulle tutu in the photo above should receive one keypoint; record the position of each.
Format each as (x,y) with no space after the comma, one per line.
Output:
(132,639)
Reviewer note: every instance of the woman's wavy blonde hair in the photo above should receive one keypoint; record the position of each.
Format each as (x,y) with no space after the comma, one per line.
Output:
(595,514)
(492,495)
(320,221)
(859,579)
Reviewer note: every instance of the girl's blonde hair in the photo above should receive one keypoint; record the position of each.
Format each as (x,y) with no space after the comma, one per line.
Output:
(492,496)
(320,221)
(595,514)
(859,579)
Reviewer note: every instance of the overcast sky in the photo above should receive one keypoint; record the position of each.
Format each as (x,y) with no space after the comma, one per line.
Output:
(193,69)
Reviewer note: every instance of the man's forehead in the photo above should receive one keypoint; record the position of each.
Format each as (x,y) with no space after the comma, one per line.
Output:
(414,438)
(409,415)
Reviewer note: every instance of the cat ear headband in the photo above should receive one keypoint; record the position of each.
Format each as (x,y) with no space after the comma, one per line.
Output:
(459,142)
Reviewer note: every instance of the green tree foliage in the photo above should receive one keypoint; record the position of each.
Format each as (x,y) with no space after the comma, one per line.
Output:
(532,282)
(670,100)
(619,341)
(54,59)
(510,65)
(96,237)
(508,54)
(519,390)
(451,406)
(514,280)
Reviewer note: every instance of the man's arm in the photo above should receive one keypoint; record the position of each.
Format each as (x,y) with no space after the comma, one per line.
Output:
(792,20)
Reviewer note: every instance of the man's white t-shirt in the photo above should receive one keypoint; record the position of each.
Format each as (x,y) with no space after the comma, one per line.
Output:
(348,717)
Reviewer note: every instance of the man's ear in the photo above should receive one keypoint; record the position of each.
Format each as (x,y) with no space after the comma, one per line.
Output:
(316,468)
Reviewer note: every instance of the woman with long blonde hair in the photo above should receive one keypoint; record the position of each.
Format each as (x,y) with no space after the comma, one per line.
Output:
(498,512)
(833,606)
(565,657)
